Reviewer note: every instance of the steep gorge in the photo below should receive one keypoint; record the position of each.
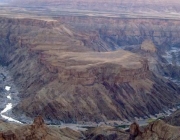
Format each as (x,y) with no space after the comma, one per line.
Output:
(64,72)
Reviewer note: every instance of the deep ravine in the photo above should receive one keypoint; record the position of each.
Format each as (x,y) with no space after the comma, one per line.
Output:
(10,98)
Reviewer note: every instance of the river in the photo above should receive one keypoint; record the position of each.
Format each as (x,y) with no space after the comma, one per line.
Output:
(10,99)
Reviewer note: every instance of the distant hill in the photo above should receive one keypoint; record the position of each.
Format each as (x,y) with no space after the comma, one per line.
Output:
(107,5)
(135,2)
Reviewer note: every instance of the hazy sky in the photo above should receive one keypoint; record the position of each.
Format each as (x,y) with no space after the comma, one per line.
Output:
(170,4)
(111,1)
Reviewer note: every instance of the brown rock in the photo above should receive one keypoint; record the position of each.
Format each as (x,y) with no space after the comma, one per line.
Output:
(9,135)
(39,121)
(160,130)
(37,131)
(1,136)
(134,131)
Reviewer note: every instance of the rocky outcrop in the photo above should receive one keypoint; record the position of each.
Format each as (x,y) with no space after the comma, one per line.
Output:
(156,130)
(134,131)
(37,131)
(159,130)
(38,121)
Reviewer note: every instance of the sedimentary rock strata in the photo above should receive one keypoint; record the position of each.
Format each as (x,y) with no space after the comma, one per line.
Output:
(61,77)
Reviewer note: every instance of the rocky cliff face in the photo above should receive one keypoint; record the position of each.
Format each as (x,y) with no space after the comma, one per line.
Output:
(120,32)
(61,76)
(132,34)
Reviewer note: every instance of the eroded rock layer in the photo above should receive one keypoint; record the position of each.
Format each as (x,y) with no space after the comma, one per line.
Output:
(155,39)
(61,77)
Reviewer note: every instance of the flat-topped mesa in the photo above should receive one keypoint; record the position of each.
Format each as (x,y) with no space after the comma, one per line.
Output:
(113,74)
(93,67)
(21,30)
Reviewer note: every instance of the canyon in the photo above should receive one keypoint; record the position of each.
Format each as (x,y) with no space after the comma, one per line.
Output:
(88,69)
(75,68)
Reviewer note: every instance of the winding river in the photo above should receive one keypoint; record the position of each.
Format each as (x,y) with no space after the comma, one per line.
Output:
(10,99)
(8,107)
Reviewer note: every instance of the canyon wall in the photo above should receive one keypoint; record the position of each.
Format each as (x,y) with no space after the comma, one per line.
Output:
(130,34)
(126,31)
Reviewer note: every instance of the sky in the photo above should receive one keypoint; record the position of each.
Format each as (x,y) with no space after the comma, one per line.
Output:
(110,1)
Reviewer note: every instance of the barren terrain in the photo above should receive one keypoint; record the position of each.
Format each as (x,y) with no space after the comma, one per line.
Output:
(69,64)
